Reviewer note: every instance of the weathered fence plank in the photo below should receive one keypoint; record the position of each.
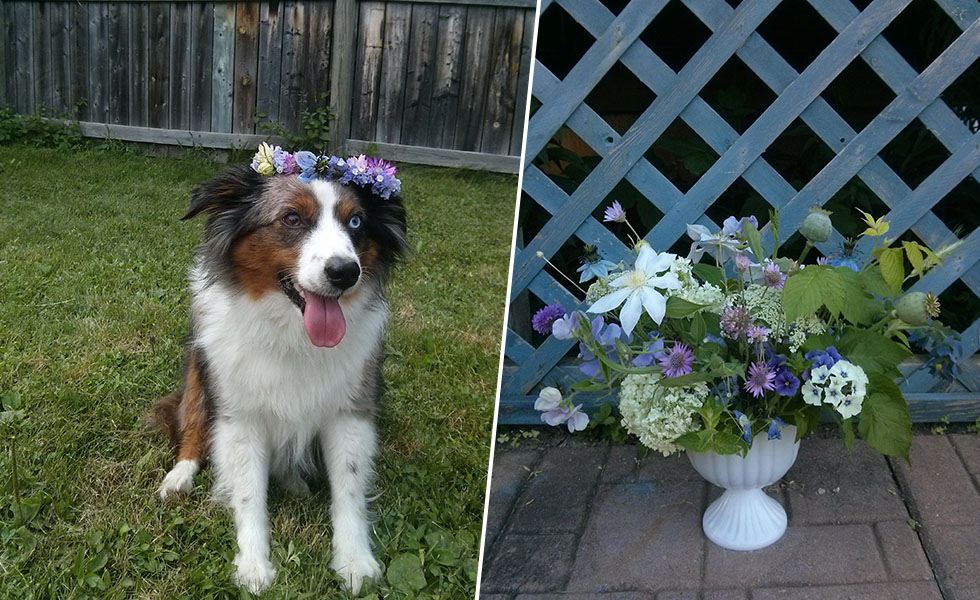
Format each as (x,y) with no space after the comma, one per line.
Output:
(139,64)
(391,95)
(505,49)
(246,66)
(293,63)
(24,56)
(180,65)
(270,61)
(342,67)
(78,66)
(523,83)
(449,65)
(223,67)
(474,84)
(202,27)
(120,84)
(98,97)
(158,65)
(42,57)
(60,60)
(368,70)
(419,74)
(318,56)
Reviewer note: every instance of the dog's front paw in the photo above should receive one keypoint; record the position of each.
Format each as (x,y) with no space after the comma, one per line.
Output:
(180,479)
(355,569)
(255,573)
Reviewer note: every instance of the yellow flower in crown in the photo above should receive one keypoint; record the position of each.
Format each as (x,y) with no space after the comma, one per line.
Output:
(262,161)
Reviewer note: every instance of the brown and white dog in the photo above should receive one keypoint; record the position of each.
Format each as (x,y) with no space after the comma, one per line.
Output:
(288,316)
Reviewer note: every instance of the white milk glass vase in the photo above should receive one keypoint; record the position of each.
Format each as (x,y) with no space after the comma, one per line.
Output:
(744,517)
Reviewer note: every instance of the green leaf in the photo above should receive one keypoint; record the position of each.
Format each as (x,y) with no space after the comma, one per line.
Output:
(726,442)
(405,573)
(875,282)
(678,308)
(809,289)
(833,291)
(698,328)
(892,268)
(695,441)
(914,253)
(858,307)
(709,273)
(885,421)
(873,352)
(754,239)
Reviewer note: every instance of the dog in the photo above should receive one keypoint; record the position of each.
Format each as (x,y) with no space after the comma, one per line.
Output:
(288,318)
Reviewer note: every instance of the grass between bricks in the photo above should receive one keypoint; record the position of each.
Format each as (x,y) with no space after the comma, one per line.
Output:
(93,314)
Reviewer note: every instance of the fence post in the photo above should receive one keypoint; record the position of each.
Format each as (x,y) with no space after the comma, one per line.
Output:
(342,58)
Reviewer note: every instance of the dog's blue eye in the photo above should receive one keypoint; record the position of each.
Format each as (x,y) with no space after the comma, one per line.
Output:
(355,222)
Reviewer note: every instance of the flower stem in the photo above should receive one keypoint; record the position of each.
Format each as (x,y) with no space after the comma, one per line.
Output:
(806,250)
(540,254)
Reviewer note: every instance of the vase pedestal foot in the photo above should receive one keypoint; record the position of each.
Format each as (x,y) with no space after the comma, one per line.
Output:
(744,520)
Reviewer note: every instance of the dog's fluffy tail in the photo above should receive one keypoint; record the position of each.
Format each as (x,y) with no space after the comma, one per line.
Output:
(163,415)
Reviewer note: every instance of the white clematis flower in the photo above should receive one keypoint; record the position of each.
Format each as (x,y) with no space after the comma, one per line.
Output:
(639,289)
(548,399)
(721,243)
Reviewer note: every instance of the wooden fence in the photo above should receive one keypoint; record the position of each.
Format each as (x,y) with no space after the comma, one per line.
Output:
(430,82)
(676,99)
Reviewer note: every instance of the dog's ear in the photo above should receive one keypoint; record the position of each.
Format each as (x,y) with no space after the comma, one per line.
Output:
(227,191)
(387,223)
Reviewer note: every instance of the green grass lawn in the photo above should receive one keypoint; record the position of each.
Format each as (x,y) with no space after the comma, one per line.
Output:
(93,315)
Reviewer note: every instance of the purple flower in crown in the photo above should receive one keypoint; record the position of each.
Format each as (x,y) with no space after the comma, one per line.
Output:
(283,161)
(381,167)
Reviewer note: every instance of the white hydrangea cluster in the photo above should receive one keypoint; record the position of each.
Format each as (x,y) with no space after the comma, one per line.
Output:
(656,414)
(598,289)
(692,290)
(766,305)
(802,328)
(842,386)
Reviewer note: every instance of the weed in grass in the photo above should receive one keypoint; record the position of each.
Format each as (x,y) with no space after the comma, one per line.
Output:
(93,263)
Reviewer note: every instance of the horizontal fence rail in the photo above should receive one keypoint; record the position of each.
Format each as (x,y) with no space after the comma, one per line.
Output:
(623,156)
(445,80)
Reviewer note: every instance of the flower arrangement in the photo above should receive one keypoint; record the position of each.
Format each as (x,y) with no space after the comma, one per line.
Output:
(374,173)
(710,355)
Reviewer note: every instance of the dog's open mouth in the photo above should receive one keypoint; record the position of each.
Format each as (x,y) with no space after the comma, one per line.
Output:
(322,316)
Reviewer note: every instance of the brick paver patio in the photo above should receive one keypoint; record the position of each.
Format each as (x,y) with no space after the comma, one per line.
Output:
(592,522)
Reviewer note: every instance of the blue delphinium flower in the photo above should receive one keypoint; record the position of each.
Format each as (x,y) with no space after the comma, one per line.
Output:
(845,261)
(744,424)
(775,427)
(821,358)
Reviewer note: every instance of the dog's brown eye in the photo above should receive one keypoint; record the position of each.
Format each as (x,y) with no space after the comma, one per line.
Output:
(292,220)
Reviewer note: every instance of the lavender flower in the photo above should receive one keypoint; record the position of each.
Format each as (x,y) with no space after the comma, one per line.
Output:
(576,420)
(757,334)
(614,213)
(822,260)
(786,383)
(760,380)
(653,352)
(773,277)
(677,361)
(775,427)
(744,424)
(544,318)
(732,226)
(735,321)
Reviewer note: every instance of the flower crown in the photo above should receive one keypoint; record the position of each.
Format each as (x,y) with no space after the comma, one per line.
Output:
(376,173)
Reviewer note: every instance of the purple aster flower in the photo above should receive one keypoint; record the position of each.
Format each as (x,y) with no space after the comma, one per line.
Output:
(773,277)
(566,327)
(381,165)
(742,263)
(735,321)
(744,424)
(786,383)
(760,380)
(757,333)
(677,361)
(822,260)
(775,428)
(614,213)
(543,319)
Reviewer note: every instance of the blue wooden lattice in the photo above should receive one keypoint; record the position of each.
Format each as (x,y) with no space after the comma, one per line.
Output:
(798,96)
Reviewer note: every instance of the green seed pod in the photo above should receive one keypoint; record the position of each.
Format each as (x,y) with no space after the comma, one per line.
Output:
(816,226)
(912,308)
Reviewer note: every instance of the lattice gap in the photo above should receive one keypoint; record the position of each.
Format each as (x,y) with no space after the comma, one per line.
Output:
(619,98)
(561,40)
(681,155)
(737,94)
(921,32)
(661,35)
(797,32)
(798,154)
(858,94)
(914,153)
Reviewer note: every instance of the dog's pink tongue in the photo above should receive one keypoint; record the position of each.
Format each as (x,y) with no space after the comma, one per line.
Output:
(324,320)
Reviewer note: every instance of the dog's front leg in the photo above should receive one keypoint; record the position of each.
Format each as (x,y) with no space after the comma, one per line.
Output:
(349,443)
(241,458)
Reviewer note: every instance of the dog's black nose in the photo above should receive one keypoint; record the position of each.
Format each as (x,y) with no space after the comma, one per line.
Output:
(342,273)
